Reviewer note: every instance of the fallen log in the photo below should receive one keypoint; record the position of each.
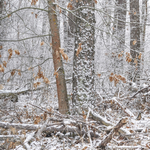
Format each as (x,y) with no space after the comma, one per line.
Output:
(49,128)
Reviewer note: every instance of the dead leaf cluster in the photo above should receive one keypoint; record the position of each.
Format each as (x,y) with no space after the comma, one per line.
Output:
(64,55)
(116,78)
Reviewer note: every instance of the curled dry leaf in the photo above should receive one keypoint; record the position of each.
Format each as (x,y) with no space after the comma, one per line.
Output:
(42,43)
(34,2)
(46,80)
(79,49)
(95,1)
(36,84)
(13,72)
(56,74)
(10,51)
(19,72)
(4,64)
(1,68)
(69,6)
(1,47)
(99,75)
(134,42)
(140,55)
(63,54)
(17,52)
(128,57)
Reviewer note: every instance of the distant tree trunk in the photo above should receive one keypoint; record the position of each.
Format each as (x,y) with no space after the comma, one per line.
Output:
(58,65)
(119,34)
(1,30)
(143,22)
(135,71)
(83,63)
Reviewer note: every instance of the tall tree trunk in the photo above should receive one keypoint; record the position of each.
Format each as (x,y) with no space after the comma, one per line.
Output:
(83,63)
(135,71)
(1,30)
(143,22)
(119,34)
(58,65)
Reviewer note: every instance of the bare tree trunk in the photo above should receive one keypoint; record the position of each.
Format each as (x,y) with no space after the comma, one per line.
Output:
(143,21)
(1,30)
(119,34)
(83,63)
(135,71)
(58,65)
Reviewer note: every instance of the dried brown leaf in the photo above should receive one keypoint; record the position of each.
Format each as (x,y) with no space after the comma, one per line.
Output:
(17,52)
(4,64)
(13,72)
(1,68)
(79,49)
(56,74)
(64,55)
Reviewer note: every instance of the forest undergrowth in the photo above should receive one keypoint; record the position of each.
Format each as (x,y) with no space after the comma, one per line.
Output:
(119,120)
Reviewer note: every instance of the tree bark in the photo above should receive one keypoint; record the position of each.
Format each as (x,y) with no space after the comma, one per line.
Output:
(119,35)
(83,63)
(58,65)
(135,71)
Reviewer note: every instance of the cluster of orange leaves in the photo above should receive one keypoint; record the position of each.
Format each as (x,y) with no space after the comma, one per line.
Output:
(79,49)
(10,51)
(34,2)
(120,55)
(116,78)
(39,76)
(129,58)
(36,84)
(64,55)
(69,6)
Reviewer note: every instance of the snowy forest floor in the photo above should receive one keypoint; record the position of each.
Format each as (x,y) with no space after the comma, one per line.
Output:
(37,125)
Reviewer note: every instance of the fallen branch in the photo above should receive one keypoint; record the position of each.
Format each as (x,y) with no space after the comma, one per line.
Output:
(128,147)
(60,128)
(127,111)
(139,91)
(112,133)
(3,137)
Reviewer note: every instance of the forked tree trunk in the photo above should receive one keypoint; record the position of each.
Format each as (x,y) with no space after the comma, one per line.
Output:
(58,65)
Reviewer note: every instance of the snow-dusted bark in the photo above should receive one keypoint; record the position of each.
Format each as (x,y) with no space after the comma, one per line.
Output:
(135,41)
(143,33)
(83,63)
(119,35)
(1,28)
